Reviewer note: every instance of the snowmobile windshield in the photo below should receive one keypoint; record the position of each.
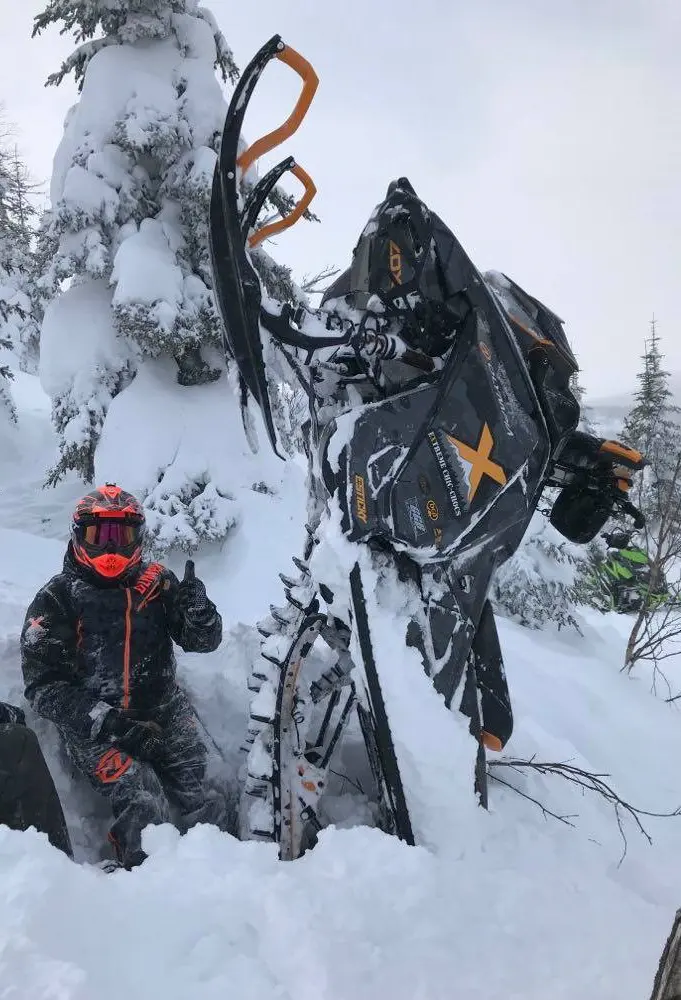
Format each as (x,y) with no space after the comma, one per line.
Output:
(532,317)
(400,266)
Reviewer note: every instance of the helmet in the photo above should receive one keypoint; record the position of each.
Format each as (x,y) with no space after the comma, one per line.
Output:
(107,531)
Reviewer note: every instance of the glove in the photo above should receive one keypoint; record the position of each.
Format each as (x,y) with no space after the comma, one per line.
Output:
(192,597)
(138,737)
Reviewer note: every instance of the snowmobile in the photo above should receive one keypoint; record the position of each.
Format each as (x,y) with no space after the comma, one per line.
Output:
(439,411)
(622,581)
(28,796)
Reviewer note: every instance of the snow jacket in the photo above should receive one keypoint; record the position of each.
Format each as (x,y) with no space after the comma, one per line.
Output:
(88,645)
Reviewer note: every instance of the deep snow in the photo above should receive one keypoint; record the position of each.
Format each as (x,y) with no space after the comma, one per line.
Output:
(511,905)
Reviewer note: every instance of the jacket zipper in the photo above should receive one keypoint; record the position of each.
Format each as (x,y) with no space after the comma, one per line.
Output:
(126,649)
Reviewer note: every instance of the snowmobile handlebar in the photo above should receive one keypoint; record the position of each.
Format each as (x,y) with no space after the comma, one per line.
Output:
(317,330)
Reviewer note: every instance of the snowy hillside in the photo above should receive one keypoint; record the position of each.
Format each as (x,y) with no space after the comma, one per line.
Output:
(515,904)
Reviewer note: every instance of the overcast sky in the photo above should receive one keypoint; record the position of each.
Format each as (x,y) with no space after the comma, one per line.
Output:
(546,133)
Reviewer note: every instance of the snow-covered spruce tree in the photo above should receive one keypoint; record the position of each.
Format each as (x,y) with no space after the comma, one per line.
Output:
(536,586)
(654,427)
(22,215)
(585,422)
(18,327)
(128,230)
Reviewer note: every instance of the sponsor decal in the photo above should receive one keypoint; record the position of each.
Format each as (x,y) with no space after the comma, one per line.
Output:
(424,485)
(502,397)
(445,472)
(432,510)
(360,499)
(478,461)
(485,350)
(395,262)
(112,765)
(416,517)
(437,535)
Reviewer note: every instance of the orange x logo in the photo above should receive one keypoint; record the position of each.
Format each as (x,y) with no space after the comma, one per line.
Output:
(479,460)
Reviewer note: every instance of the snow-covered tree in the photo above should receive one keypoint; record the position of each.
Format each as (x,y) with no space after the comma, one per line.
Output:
(536,586)
(18,326)
(128,231)
(652,426)
(585,421)
(21,198)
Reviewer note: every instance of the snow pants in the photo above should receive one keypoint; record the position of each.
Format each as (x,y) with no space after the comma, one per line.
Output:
(141,793)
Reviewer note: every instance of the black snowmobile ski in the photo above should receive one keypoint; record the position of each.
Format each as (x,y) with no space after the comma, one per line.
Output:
(237,288)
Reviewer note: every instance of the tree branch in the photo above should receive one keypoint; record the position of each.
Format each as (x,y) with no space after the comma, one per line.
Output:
(589,781)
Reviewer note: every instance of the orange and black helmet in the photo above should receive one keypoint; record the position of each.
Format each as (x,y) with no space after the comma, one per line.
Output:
(107,531)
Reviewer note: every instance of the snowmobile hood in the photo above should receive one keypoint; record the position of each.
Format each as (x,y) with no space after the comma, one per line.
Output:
(404,263)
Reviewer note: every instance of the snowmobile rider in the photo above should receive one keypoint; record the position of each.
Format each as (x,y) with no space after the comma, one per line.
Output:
(28,796)
(98,661)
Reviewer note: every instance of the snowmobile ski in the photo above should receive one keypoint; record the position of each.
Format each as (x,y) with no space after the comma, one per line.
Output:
(237,288)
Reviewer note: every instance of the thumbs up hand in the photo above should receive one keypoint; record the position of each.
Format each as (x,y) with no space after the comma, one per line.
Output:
(192,593)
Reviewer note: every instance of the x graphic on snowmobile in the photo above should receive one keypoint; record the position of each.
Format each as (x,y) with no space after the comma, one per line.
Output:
(439,411)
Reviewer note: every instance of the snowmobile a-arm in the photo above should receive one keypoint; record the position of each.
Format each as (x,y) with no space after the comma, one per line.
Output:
(237,288)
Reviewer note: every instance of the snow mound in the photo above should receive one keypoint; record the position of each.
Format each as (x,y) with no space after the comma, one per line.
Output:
(509,903)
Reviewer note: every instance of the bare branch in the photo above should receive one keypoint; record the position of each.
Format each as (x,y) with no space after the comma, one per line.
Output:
(587,780)
(567,819)
(318,283)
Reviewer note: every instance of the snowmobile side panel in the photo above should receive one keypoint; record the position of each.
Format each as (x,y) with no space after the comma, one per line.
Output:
(495,700)
(28,796)
(441,469)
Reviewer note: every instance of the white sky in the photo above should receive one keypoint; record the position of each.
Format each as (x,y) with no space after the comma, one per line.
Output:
(546,133)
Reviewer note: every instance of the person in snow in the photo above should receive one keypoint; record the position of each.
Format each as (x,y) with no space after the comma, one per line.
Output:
(28,796)
(98,661)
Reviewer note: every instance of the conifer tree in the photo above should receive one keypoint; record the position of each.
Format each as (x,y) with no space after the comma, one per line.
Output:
(653,427)
(18,326)
(127,229)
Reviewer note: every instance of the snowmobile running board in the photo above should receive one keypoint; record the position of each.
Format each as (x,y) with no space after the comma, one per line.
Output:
(237,288)
(392,779)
